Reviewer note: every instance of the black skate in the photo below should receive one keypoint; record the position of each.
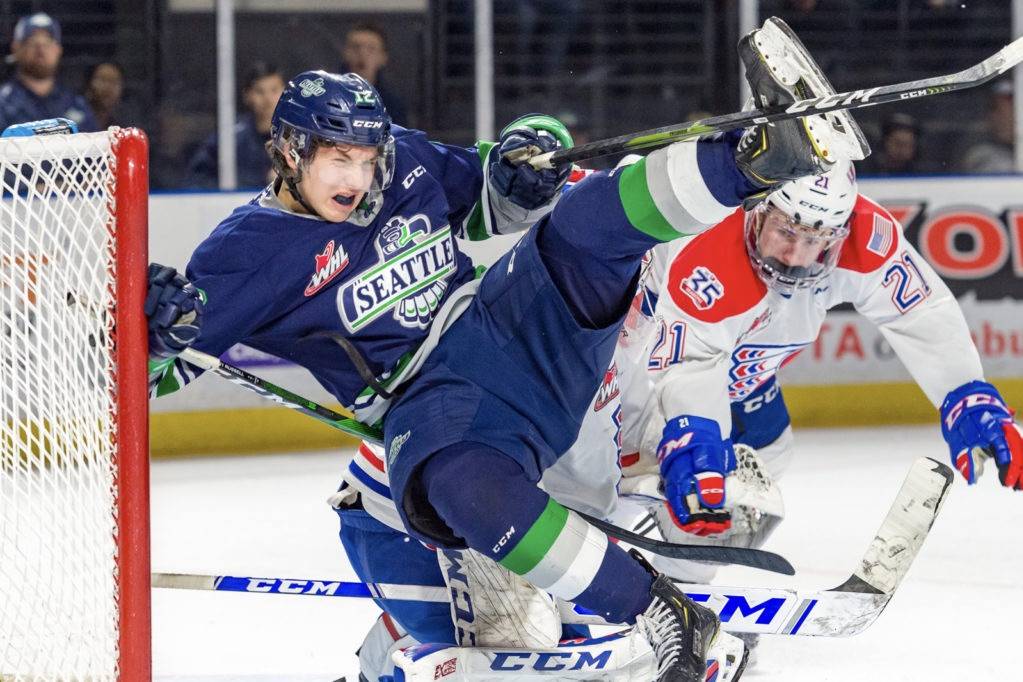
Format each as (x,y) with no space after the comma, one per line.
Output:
(770,154)
(779,71)
(679,631)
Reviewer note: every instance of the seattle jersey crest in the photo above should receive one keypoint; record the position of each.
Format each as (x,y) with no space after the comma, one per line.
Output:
(409,279)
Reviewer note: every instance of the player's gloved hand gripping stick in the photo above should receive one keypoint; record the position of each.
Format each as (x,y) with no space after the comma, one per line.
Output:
(695,461)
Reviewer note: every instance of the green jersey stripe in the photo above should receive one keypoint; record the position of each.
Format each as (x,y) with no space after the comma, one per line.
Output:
(639,205)
(477,226)
(537,541)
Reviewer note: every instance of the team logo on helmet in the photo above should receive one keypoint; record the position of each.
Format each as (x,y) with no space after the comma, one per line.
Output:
(312,88)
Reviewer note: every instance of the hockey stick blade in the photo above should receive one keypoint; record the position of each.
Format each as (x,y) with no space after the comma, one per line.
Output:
(855,604)
(742,556)
(978,74)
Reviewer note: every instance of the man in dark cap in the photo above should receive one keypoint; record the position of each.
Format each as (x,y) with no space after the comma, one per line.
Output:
(34,92)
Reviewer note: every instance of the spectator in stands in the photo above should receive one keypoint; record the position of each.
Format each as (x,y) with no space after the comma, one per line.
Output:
(262,88)
(365,53)
(105,93)
(996,152)
(898,152)
(34,92)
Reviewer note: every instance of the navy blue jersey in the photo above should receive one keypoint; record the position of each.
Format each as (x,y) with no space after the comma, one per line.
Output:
(18,104)
(273,278)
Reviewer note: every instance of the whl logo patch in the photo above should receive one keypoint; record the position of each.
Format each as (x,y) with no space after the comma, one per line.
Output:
(608,390)
(329,265)
(703,287)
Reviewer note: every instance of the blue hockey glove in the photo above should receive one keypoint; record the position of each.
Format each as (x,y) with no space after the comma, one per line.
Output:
(694,463)
(976,425)
(522,184)
(174,311)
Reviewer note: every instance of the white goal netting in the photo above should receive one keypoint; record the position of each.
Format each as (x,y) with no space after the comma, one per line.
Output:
(59,556)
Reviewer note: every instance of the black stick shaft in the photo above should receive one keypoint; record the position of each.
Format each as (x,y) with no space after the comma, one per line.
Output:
(978,74)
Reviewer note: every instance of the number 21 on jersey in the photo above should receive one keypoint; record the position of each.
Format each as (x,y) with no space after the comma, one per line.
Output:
(909,284)
(667,351)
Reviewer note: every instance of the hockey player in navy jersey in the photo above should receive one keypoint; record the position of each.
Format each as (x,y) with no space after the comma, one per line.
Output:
(347,265)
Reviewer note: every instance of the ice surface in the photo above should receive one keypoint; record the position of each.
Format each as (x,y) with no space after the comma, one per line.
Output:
(956,616)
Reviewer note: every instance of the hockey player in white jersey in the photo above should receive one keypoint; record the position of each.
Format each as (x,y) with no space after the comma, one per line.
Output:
(734,304)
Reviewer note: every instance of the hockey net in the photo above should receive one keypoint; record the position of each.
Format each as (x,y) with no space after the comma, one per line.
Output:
(74,507)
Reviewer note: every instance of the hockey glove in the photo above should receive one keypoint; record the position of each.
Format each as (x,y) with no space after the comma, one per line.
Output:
(174,311)
(769,154)
(522,184)
(976,425)
(694,462)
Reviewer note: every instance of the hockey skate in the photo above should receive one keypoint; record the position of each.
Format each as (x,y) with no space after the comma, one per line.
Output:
(780,70)
(681,634)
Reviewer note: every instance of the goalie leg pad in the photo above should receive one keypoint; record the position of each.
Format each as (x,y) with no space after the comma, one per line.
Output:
(623,656)
(491,606)
(383,639)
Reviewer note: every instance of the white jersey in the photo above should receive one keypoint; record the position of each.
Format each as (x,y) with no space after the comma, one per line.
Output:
(720,332)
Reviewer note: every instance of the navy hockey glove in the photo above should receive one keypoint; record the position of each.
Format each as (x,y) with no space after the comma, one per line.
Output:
(174,311)
(694,463)
(522,184)
(976,425)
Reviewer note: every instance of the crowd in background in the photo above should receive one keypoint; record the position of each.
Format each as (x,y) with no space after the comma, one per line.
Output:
(540,51)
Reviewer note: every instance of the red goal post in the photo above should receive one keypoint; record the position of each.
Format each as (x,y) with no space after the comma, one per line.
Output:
(74,444)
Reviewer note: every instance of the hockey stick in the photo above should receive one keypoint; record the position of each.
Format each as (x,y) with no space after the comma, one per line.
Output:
(978,74)
(767,561)
(754,558)
(845,610)
(282,396)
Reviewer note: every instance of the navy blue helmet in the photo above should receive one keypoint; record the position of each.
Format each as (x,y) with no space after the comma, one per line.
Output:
(319,107)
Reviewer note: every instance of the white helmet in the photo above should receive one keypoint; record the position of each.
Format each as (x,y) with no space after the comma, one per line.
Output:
(813,214)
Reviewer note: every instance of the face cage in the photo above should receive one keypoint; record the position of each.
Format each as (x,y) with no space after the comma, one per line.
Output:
(786,279)
(302,141)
